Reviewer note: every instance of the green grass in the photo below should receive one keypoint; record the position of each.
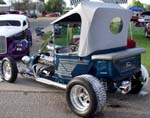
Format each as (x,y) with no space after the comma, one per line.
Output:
(116,25)
(142,41)
(63,39)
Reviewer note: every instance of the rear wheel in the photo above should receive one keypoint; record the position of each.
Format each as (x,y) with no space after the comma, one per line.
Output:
(136,85)
(85,95)
(9,70)
(139,80)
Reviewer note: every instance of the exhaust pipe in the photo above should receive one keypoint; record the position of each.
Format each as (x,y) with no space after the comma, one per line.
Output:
(52,83)
(125,87)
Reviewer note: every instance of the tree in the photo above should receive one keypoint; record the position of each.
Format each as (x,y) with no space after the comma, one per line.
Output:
(55,6)
(40,6)
(23,5)
(26,4)
(136,3)
(147,7)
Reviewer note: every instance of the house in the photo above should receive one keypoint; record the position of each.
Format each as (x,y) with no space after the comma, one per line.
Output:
(4,6)
(33,7)
(36,7)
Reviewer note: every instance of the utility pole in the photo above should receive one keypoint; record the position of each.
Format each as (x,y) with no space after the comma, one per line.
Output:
(18,5)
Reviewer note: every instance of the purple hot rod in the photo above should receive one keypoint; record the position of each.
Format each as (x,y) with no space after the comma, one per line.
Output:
(15,36)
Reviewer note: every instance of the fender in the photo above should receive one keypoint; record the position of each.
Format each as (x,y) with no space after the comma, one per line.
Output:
(145,74)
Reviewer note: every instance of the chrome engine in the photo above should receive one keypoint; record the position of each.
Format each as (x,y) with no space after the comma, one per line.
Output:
(42,67)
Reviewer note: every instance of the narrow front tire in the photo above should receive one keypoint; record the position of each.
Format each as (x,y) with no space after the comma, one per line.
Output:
(9,69)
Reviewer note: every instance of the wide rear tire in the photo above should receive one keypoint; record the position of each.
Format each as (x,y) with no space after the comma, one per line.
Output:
(139,80)
(9,69)
(86,95)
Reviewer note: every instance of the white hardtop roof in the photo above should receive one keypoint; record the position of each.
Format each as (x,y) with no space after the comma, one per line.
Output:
(95,18)
(89,8)
(17,17)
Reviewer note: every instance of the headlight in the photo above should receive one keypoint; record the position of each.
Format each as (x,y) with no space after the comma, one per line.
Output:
(19,45)
(18,49)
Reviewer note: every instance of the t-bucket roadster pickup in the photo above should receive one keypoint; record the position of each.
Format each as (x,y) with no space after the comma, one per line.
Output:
(99,62)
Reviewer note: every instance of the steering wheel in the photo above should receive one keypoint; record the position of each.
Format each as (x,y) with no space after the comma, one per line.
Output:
(73,48)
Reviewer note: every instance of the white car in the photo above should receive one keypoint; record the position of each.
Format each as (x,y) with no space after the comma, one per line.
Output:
(15,35)
(145,17)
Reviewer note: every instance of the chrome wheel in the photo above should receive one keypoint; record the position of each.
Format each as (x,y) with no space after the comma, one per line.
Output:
(80,97)
(7,70)
(85,95)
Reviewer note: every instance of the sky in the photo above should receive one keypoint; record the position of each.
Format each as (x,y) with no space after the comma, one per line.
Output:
(129,1)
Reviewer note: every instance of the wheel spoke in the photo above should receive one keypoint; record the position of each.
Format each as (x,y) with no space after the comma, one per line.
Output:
(80,97)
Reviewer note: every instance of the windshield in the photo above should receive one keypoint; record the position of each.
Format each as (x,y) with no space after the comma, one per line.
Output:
(67,34)
(10,23)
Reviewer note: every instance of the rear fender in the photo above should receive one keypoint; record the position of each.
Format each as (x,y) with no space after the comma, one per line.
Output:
(145,74)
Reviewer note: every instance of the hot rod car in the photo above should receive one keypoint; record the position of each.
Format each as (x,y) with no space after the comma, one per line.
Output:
(98,63)
(15,36)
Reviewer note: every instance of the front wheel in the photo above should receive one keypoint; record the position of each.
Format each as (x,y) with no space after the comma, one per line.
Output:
(86,95)
(9,70)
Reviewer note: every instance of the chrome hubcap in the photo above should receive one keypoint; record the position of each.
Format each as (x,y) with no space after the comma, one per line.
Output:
(6,70)
(80,97)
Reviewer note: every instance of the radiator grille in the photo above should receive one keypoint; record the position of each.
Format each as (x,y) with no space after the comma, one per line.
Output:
(3,46)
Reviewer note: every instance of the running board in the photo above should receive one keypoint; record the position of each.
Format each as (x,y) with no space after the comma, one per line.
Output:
(50,82)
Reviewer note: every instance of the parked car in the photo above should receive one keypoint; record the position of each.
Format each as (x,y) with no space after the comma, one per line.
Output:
(39,31)
(147,30)
(57,30)
(145,16)
(101,62)
(15,36)
(134,18)
(13,12)
(55,14)
(33,15)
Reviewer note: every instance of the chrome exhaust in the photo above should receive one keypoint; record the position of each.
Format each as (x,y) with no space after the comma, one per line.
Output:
(125,87)
(50,82)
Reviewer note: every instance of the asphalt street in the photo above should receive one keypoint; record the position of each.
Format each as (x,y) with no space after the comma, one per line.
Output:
(40,22)
(29,99)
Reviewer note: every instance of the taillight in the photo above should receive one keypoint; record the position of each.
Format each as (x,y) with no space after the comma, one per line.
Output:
(131,43)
